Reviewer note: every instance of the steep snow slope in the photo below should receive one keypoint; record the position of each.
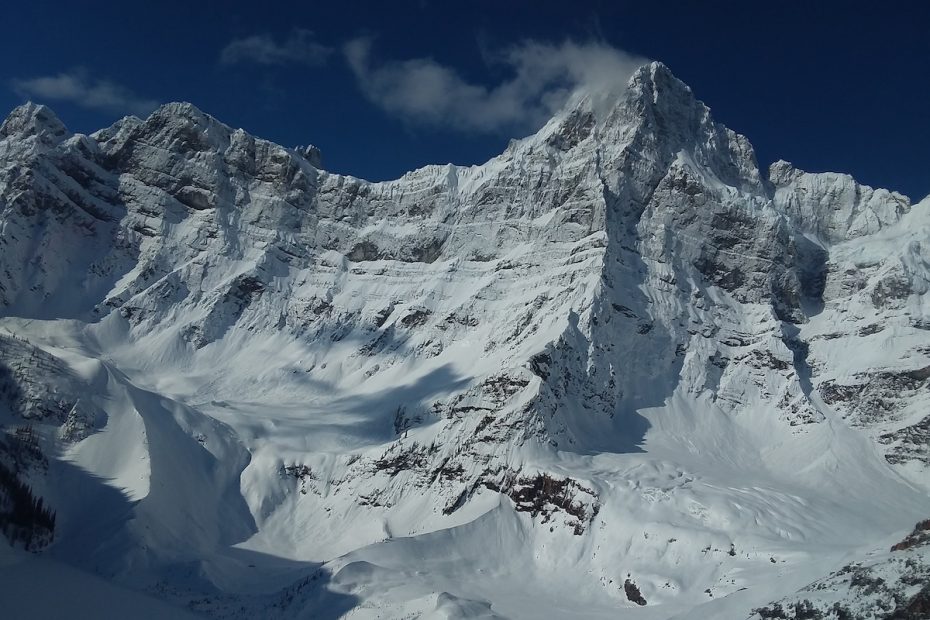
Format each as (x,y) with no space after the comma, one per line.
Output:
(615,370)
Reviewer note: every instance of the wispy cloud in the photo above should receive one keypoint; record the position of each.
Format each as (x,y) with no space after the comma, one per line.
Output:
(541,77)
(79,88)
(300,47)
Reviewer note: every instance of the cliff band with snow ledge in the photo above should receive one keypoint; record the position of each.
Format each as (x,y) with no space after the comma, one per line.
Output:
(616,371)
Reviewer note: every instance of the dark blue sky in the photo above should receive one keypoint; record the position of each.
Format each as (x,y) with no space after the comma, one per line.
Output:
(829,86)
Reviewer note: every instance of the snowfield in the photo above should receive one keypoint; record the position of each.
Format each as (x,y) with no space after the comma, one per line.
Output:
(617,371)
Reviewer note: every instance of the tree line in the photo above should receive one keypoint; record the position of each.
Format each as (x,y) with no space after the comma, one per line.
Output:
(24,517)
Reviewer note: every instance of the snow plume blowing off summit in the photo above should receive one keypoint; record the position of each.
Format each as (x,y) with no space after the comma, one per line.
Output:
(615,371)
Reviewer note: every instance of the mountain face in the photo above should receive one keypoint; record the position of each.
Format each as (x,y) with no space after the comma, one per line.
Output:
(616,370)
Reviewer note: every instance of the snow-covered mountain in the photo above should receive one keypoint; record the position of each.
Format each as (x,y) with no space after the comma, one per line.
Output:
(617,371)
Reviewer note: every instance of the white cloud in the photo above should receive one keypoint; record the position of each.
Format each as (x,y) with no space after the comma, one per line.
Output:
(78,88)
(541,77)
(300,46)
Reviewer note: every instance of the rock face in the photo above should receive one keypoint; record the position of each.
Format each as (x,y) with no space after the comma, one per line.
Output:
(613,320)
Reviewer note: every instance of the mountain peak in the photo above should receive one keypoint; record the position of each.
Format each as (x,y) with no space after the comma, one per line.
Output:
(649,83)
(655,79)
(652,90)
(183,109)
(653,70)
(32,119)
(183,125)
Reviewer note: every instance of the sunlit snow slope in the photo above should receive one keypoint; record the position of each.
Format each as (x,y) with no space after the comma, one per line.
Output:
(617,371)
